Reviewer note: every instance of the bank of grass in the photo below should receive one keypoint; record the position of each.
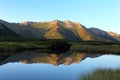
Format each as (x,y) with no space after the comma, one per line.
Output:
(102,74)
(101,47)
(84,46)
(25,44)
(96,48)
(10,46)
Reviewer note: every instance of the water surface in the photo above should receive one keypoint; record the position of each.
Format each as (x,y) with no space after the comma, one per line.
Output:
(50,66)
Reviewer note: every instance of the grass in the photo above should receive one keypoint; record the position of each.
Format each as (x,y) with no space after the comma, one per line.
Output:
(102,74)
(9,46)
(101,47)
(25,44)
(85,46)
(96,48)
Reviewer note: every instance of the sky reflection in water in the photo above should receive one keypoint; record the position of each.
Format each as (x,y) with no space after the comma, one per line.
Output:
(45,71)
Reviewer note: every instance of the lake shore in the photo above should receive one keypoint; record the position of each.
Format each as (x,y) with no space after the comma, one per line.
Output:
(20,46)
(97,48)
(86,46)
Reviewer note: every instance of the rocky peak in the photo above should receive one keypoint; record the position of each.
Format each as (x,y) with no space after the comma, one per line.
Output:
(78,23)
(67,22)
(113,34)
(56,22)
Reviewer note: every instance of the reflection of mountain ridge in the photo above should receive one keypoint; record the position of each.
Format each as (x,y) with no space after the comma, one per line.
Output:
(55,59)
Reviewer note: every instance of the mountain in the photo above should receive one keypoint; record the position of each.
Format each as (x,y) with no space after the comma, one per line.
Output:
(7,33)
(72,31)
(114,35)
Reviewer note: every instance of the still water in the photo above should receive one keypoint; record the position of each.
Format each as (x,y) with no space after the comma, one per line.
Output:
(49,66)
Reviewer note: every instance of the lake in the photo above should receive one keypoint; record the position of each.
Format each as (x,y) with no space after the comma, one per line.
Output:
(35,65)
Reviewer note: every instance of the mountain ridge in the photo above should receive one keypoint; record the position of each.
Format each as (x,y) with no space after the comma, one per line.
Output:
(56,29)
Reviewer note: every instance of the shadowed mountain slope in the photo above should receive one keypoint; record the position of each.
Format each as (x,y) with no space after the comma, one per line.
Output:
(7,33)
(102,34)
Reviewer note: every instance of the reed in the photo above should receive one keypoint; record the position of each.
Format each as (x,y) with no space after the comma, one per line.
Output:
(102,74)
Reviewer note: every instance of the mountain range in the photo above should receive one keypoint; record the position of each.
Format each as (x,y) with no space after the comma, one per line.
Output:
(72,31)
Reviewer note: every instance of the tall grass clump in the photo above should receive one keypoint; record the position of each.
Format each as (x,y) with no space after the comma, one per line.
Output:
(102,74)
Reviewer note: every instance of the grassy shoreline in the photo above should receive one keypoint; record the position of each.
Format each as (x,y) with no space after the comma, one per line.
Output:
(86,46)
(19,46)
(97,48)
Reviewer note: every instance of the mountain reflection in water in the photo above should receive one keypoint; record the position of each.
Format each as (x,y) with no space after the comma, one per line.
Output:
(47,58)
(35,65)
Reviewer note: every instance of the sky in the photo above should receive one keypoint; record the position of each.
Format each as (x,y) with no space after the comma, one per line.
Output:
(102,14)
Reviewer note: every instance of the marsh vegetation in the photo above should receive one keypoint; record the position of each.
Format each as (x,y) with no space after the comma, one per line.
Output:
(102,74)
(83,46)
